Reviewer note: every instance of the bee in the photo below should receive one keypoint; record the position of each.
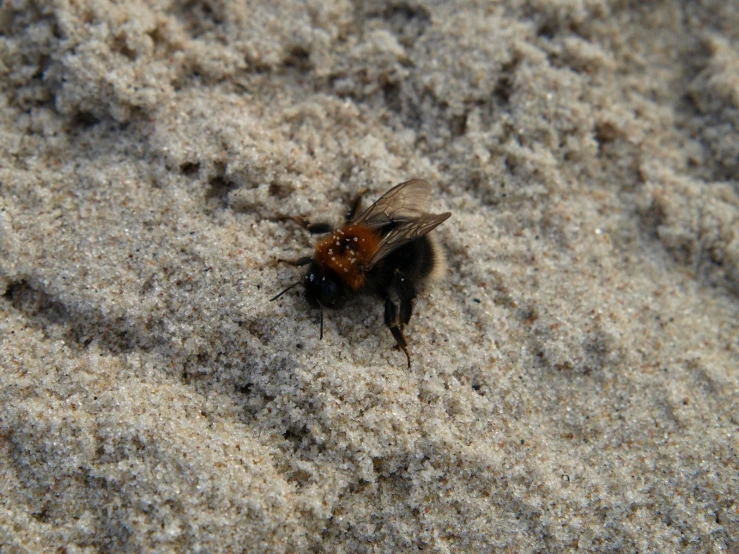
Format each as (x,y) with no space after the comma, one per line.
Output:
(385,250)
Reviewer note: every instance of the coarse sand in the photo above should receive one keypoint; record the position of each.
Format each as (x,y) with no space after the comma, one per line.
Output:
(575,378)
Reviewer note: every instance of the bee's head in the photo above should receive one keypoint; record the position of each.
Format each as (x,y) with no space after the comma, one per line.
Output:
(323,288)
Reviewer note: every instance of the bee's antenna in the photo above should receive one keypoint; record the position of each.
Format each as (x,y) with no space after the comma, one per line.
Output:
(321,305)
(284,291)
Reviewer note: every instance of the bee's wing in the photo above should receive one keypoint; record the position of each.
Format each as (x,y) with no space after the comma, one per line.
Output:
(406,232)
(403,202)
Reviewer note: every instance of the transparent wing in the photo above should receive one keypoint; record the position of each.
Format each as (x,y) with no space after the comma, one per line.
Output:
(403,202)
(406,232)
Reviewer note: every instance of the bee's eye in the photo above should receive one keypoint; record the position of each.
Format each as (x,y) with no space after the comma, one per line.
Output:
(328,289)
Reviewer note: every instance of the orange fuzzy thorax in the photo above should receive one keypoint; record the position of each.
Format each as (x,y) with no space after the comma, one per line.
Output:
(347,252)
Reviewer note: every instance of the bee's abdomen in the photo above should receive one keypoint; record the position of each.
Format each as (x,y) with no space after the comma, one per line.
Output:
(422,259)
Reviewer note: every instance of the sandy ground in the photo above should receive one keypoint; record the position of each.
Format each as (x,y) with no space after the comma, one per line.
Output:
(575,378)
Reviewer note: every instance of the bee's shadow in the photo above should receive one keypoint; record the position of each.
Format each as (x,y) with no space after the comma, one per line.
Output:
(361,316)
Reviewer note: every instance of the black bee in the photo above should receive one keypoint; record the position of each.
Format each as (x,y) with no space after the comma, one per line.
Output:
(384,250)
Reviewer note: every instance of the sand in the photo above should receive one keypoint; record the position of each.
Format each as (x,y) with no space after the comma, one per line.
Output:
(575,379)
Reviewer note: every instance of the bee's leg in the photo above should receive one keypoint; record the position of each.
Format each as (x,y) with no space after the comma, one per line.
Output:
(305,260)
(355,205)
(391,320)
(312,228)
(407,296)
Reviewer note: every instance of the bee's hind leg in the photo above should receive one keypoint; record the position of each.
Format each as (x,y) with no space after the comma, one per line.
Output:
(406,295)
(391,320)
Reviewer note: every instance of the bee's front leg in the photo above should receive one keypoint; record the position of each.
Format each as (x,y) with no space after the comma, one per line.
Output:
(312,228)
(305,260)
